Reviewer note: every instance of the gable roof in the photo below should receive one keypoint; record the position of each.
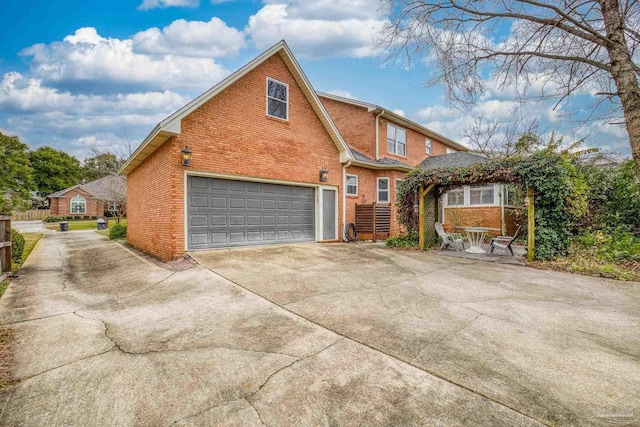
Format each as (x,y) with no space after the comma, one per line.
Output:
(171,126)
(360,159)
(106,188)
(452,160)
(376,109)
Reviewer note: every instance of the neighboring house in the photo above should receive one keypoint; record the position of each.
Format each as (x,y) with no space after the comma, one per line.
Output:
(92,199)
(488,205)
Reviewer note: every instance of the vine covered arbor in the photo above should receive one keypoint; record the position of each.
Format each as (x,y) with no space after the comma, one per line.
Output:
(547,175)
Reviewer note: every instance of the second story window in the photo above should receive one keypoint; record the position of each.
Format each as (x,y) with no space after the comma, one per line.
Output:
(277,99)
(396,140)
(427,146)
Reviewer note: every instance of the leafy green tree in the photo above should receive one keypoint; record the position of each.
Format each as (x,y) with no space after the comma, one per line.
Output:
(16,174)
(100,165)
(54,169)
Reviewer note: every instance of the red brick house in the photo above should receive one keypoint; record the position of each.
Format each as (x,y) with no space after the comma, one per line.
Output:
(91,200)
(270,161)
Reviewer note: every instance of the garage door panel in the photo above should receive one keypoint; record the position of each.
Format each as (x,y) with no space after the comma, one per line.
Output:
(225,213)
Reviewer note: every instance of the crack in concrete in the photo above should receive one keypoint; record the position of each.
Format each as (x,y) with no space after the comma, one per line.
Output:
(255,410)
(292,363)
(409,362)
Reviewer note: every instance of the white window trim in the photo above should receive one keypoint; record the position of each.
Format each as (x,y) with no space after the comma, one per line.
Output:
(493,203)
(467,198)
(451,150)
(112,204)
(464,198)
(280,100)
(347,185)
(388,190)
(428,146)
(84,201)
(398,182)
(396,140)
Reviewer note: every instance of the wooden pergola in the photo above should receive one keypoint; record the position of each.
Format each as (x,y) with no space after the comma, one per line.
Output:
(430,184)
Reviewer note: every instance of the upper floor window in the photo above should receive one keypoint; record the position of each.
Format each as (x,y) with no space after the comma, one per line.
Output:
(481,195)
(78,205)
(352,185)
(450,150)
(277,99)
(427,146)
(396,140)
(383,190)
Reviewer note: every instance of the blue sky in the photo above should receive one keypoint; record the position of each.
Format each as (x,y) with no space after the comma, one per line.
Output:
(77,74)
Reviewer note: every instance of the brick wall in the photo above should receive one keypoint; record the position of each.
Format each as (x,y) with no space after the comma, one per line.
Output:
(356,125)
(358,128)
(61,206)
(230,134)
(367,194)
(153,202)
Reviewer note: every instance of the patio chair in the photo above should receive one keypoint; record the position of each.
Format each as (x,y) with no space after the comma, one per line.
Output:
(504,242)
(449,239)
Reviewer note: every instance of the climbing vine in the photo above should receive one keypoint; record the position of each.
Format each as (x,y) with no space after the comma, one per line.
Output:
(560,193)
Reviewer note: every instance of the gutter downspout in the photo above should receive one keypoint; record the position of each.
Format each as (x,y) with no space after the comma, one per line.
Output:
(344,199)
(377,132)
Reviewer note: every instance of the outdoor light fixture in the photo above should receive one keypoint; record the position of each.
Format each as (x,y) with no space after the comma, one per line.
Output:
(186,156)
(324,175)
(416,208)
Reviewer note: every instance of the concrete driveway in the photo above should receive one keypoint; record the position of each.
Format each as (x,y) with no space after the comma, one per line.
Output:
(313,335)
(30,227)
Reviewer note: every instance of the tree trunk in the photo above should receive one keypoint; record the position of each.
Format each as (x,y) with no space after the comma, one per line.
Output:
(623,73)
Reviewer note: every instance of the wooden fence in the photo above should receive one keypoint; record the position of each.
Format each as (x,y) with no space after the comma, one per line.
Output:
(5,246)
(373,219)
(31,215)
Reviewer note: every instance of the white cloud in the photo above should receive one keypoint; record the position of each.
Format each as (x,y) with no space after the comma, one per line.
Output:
(87,60)
(315,33)
(330,9)
(342,93)
(212,39)
(152,4)
(399,112)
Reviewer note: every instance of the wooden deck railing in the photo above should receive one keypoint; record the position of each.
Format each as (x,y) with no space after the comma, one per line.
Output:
(5,246)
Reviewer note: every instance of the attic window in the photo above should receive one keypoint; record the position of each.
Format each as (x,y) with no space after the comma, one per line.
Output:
(277,99)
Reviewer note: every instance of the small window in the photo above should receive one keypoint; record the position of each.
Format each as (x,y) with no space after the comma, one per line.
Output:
(383,190)
(427,146)
(277,99)
(481,195)
(396,140)
(352,185)
(455,197)
(450,150)
(112,206)
(78,205)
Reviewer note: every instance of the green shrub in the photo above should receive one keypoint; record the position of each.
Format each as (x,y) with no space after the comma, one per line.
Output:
(410,240)
(17,246)
(616,245)
(118,231)
(53,218)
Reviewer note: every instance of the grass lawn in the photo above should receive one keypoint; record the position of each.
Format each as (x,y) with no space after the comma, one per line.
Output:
(85,224)
(30,240)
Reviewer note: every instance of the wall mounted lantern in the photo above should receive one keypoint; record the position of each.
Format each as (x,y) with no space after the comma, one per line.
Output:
(416,208)
(324,175)
(186,156)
